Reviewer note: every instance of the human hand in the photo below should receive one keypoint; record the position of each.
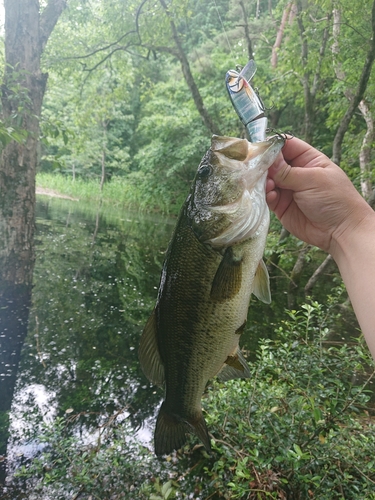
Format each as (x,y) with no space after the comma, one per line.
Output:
(312,197)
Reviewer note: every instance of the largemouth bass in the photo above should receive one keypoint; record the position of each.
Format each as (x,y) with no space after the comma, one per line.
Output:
(213,265)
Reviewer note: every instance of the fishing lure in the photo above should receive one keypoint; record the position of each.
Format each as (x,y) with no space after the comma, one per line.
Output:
(247,102)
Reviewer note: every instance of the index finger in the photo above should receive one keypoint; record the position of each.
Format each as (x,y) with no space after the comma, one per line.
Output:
(299,153)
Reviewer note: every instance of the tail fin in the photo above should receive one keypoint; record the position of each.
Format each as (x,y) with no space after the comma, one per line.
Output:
(170,432)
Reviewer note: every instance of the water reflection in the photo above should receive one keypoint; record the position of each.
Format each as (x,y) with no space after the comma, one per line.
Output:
(14,308)
(95,283)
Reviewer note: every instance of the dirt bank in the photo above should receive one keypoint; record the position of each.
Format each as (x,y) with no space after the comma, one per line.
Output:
(53,193)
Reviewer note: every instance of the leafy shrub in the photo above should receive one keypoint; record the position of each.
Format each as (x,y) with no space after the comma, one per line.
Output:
(299,428)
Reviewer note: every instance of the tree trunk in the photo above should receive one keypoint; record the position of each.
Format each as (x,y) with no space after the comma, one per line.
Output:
(366,148)
(310,88)
(309,104)
(296,275)
(26,34)
(18,161)
(274,259)
(371,200)
(357,96)
(247,31)
(180,53)
(257,11)
(340,74)
(293,13)
(279,35)
(103,159)
(318,272)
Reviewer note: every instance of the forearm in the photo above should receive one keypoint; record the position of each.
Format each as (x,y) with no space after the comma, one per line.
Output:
(354,253)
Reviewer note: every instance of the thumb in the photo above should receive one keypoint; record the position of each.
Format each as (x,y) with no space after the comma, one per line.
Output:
(287,177)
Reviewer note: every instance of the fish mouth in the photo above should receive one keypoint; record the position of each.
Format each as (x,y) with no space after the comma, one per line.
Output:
(248,161)
(260,157)
(249,212)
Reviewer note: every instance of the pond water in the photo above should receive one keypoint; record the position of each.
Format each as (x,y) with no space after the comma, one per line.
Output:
(95,284)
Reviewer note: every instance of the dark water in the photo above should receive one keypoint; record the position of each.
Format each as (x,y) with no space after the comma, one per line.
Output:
(95,284)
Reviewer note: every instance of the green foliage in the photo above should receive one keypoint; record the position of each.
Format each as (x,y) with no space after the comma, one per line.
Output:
(299,423)
(8,134)
(120,192)
(117,98)
(69,465)
(299,428)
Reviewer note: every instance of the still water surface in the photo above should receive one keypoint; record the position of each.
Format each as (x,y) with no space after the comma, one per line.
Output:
(95,283)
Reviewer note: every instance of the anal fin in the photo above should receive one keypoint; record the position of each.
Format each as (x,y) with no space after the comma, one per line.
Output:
(235,367)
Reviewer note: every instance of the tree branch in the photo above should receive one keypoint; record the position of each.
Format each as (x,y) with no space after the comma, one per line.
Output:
(315,276)
(125,48)
(186,71)
(102,49)
(168,50)
(247,31)
(48,20)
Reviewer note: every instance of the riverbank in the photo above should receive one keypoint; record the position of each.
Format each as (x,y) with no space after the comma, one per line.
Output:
(53,193)
(119,192)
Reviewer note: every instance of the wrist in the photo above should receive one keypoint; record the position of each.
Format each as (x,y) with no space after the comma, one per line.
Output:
(354,253)
(355,237)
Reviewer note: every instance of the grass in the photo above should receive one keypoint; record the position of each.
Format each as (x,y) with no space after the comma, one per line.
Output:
(119,192)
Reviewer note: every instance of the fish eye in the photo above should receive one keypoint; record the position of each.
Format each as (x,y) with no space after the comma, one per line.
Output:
(204,171)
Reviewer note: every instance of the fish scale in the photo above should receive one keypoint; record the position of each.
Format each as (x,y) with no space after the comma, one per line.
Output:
(213,264)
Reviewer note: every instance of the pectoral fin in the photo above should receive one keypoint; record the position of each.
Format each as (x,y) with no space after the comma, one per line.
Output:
(227,281)
(262,284)
(235,367)
(148,353)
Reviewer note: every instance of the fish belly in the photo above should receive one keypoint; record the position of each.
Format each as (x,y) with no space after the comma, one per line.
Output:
(200,314)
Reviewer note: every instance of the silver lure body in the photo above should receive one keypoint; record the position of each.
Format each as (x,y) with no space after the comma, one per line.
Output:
(247,102)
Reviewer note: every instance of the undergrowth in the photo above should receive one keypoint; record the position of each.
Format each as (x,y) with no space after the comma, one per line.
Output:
(300,428)
(130,193)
